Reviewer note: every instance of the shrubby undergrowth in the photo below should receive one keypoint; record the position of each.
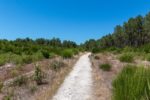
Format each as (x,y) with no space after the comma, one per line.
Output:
(25,51)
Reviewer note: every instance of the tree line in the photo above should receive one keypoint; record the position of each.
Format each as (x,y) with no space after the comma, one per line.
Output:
(133,33)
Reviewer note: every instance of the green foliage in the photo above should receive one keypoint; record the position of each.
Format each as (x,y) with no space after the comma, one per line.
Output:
(96,57)
(126,57)
(19,81)
(8,97)
(27,59)
(25,51)
(33,88)
(56,65)
(105,67)
(133,33)
(37,56)
(45,54)
(67,53)
(51,55)
(38,76)
(14,72)
(1,86)
(75,51)
(132,84)
(2,61)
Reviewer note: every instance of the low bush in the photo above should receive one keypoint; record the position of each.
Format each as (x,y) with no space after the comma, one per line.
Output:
(19,81)
(67,53)
(1,86)
(37,56)
(105,67)
(2,61)
(8,97)
(17,59)
(75,51)
(126,57)
(14,72)
(96,57)
(147,57)
(56,65)
(51,55)
(38,76)
(33,88)
(133,83)
(45,54)
(27,59)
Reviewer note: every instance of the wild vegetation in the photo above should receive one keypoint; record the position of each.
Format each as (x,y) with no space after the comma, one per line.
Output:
(133,33)
(133,83)
(25,51)
(105,67)
(129,43)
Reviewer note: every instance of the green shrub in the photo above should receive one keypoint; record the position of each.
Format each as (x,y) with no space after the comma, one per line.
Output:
(51,55)
(4,58)
(27,59)
(33,88)
(19,81)
(95,50)
(14,72)
(38,77)
(133,83)
(37,56)
(1,86)
(96,57)
(17,59)
(67,53)
(75,51)
(56,65)
(105,67)
(147,57)
(126,57)
(2,61)
(45,54)
(8,97)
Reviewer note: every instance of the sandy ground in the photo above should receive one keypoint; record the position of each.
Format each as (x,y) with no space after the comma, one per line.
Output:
(102,80)
(78,84)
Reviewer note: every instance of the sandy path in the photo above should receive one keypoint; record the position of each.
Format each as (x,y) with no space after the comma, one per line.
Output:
(78,84)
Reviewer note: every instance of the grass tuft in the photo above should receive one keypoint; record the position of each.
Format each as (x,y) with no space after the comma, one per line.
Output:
(126,57)
(133,83)
(105,67)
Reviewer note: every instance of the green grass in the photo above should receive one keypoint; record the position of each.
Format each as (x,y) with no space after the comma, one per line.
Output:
(105,67)
(133,83)
(27,58)
(126,57)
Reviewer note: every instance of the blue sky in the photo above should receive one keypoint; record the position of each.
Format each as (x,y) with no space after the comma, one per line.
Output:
(76,20)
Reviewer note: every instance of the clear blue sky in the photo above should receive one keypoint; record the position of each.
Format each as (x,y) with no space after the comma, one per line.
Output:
(76,20)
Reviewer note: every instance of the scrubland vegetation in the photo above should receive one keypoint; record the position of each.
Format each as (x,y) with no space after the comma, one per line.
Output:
(28,65)
(25,51)
(128,44)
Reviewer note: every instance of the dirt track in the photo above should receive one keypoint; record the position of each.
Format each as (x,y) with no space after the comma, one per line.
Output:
(78,84)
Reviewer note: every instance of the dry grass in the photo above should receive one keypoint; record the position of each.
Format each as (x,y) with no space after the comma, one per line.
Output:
(42,92)
(53,87)
(56,82)
(102,79)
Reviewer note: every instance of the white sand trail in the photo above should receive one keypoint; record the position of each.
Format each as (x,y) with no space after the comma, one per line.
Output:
(78,84)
